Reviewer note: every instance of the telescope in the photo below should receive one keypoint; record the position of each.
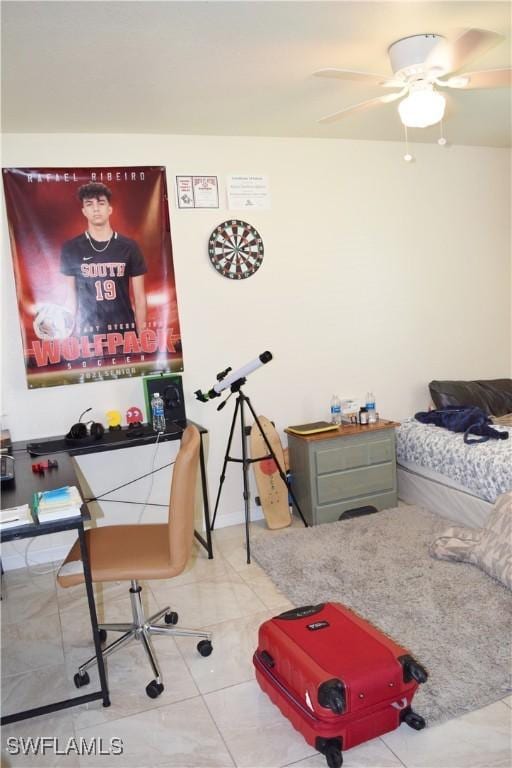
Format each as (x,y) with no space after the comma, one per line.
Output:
(235,380)
(224,381)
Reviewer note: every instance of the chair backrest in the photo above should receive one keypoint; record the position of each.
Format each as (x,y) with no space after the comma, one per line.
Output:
(182,500)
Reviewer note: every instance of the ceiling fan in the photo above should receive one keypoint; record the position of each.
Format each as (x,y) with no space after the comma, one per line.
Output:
(421,65)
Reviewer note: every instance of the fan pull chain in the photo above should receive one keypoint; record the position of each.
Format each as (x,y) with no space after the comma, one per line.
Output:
(441,140)
(407,157)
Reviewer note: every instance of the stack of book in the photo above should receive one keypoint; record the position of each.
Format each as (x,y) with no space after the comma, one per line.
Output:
(15,516)
(57,504)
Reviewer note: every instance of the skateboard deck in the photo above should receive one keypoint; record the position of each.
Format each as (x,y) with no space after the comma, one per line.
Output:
(272,490)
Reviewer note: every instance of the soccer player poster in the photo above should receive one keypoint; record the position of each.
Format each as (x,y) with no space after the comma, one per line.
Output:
(94,273)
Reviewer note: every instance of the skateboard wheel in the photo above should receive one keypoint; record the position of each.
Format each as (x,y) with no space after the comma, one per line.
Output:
(258,501)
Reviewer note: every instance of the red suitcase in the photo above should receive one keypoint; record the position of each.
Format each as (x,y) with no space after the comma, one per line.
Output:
(338,679)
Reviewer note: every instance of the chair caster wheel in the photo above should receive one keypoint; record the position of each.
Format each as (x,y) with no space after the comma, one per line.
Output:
(154,689)
(81,679)
(414,721)
(171,617)
(204,647)
(103,635)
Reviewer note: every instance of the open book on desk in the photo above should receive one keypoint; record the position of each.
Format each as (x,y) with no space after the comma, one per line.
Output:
(57,504)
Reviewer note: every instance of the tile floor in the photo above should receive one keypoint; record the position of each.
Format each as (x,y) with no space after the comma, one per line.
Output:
(212,712)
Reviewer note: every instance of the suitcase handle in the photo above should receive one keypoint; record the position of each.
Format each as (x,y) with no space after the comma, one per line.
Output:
(301,613)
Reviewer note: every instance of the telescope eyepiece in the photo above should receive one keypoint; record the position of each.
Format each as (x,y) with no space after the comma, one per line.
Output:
(223,374)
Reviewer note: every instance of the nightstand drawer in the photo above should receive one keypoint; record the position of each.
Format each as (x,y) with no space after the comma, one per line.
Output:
(354,453)
(347,485)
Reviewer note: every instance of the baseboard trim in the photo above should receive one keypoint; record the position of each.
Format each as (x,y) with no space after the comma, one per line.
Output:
(12,562)
(235,518)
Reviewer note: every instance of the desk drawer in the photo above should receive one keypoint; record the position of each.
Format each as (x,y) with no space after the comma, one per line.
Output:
(358,482)
(354,453)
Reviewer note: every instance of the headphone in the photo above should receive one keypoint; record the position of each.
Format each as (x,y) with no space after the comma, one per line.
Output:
(171,396)
(81,431)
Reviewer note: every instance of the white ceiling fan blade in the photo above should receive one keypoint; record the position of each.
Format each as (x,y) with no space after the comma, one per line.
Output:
(389,97)
(393,84)
(362,106)
(458,81)
(452,55)
(351,74)
(485,78)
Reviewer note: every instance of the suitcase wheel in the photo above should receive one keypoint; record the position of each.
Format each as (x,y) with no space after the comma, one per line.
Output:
(331,748)
(331,694)
(414,720)
(418,672)
(412,670)
(333,756)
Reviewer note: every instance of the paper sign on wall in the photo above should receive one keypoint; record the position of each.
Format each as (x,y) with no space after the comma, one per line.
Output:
(248,192)
(197,191)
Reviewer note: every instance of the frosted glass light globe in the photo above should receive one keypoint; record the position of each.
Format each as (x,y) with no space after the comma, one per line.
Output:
(423,107)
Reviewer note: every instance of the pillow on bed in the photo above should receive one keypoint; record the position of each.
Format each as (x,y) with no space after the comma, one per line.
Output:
(489,548)
(494,396)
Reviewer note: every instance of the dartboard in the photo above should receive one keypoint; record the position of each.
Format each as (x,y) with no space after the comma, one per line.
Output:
(235,249)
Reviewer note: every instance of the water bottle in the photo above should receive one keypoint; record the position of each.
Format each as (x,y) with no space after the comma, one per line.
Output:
(157,411)
(370,407)
(335,410)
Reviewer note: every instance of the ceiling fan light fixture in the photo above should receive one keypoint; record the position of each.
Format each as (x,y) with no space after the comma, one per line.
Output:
(422,107)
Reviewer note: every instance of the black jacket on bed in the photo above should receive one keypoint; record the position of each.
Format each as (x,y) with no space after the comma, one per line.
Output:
(470,420)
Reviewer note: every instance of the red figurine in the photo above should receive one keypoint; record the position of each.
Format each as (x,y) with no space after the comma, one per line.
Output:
(134,416)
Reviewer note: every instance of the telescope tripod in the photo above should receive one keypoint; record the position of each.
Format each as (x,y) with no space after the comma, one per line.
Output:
(241,401)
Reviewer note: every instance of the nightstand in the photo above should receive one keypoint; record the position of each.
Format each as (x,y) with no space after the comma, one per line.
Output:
(351,467)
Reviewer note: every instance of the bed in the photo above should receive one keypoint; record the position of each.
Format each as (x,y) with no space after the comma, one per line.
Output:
(437,470)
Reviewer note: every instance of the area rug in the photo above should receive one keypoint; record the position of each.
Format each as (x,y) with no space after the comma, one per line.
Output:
(453,618)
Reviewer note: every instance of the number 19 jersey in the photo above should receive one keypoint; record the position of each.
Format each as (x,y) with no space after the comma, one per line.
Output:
(102,276)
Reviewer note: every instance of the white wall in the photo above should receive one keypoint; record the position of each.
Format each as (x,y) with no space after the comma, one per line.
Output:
(377,275)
